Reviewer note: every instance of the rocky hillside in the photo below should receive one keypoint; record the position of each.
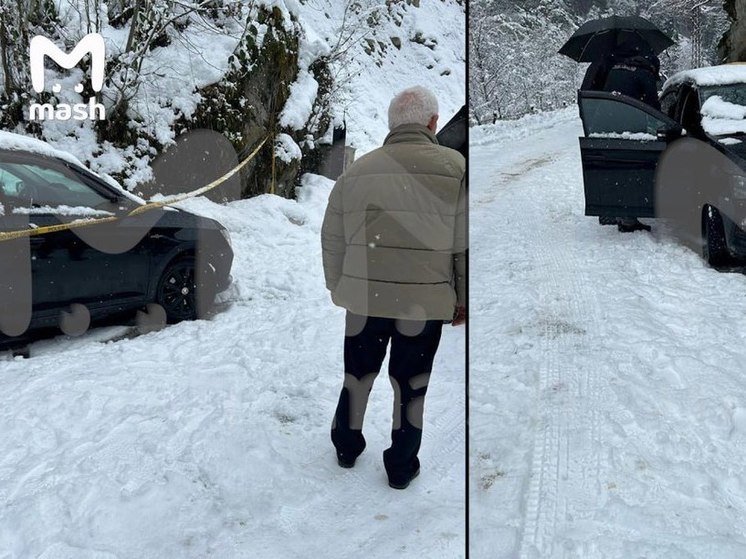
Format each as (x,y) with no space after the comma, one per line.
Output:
(281,71)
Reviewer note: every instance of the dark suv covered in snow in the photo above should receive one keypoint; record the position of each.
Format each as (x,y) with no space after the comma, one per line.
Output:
(110,261)
(686,162)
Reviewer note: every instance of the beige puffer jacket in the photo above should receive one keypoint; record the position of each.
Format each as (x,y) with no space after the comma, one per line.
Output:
(394,232)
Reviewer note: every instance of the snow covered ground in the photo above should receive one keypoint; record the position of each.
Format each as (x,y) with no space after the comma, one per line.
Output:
(211,438)
(607,388)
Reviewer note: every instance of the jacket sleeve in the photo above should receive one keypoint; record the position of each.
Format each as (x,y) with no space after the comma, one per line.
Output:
(333,239)
(460,245)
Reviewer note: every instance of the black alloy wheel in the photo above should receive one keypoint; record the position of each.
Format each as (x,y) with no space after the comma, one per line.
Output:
(178,291)
(714,247)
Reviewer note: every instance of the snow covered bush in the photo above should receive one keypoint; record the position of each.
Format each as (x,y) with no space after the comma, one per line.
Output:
(173,66)
(278,71)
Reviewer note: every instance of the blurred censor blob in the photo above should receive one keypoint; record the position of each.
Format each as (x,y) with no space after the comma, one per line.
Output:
(15,279)
(692,175)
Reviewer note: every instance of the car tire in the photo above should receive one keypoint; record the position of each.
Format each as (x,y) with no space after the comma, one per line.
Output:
(714,246)
(182,294)
(606,220)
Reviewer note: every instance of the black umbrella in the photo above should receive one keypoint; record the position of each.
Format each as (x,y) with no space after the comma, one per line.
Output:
(599,37)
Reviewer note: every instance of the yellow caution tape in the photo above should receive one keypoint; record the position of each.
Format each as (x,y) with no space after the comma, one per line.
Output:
(10,235)
(76,224)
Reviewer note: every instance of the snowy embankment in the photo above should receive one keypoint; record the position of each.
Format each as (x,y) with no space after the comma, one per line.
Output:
(607,385)
(211,438)
(431,54)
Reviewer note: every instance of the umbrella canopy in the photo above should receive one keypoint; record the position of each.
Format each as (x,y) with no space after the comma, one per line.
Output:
(600,37)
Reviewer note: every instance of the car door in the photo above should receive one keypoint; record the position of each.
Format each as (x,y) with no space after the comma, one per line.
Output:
(620,151)
(65,268)
(453,134)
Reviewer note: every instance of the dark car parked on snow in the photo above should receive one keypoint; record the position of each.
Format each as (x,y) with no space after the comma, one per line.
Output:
(167,256)
(686,162)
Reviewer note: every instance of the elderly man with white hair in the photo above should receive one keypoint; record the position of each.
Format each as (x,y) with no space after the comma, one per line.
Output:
(394,246)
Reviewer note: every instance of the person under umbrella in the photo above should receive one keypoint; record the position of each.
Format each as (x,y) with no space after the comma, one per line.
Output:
(597,40)
(634,72)
(596,74)
(623,53)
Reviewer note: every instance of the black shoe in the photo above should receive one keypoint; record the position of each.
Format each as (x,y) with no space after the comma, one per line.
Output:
(345,462)
(21,351)
(630,227)
(402,482)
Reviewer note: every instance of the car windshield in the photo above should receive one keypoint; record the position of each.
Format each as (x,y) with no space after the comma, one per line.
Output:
(31,188)
(724,109)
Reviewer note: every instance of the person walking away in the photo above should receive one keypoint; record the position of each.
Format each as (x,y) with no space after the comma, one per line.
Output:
(394,255)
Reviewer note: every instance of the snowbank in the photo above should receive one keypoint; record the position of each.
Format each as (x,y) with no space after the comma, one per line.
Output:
(713,75)
(211,438)
(720,117)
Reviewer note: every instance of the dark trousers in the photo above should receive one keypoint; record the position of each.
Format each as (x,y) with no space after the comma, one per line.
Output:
(413,347)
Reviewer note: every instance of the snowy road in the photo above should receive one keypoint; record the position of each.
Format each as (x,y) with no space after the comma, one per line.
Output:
(607,371)
(211,438)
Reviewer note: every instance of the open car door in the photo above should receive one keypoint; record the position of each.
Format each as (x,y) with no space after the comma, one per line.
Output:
(623,140)
(453,134)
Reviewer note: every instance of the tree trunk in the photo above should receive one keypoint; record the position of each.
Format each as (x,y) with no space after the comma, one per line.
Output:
(4,56)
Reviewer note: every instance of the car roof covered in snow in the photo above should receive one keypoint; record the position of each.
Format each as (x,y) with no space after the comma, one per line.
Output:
(725,74)
(16,142)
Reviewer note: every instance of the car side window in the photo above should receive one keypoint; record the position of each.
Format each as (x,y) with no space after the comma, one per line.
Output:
(27,184)
(613,118)
(9,183)
(691,119)
(668,104)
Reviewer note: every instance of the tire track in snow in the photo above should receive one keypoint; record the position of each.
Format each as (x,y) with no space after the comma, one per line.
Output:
(566,457)
(633,445)
(564,393)
(562,483)
(512,173)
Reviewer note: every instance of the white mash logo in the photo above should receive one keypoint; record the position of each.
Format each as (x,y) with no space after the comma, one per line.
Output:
(41,47)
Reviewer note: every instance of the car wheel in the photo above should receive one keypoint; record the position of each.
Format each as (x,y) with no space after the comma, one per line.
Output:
(714,247)
(606,220)
(182,294)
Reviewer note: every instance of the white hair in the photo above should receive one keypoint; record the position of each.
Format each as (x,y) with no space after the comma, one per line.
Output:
(414,105)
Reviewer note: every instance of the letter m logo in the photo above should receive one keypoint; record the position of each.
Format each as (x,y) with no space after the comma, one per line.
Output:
(92,44)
